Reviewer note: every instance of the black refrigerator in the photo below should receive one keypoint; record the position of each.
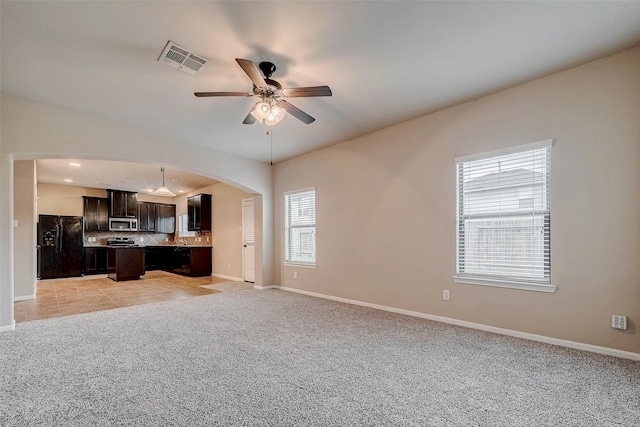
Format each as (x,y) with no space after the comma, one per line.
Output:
(60,246)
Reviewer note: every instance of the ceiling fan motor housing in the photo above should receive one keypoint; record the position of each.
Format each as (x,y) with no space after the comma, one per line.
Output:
(267,68)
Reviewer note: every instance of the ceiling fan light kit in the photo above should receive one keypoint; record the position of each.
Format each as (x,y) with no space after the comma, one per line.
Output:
(268,112)
(163,190)
(272,107)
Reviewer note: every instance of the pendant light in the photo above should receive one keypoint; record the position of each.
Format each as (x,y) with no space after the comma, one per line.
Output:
(163,190)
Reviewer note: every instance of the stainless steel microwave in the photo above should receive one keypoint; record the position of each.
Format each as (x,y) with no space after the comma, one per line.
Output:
(123,224)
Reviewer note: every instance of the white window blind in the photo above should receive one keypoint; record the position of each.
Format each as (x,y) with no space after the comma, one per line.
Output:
(503,216)
(300,226)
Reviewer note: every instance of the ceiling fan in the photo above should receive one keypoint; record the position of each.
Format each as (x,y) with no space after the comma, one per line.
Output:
(272,106)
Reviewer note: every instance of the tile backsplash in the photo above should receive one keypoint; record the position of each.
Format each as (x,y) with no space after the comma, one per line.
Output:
(99,238)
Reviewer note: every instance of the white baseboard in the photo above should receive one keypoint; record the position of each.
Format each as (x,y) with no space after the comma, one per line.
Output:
(24,297)
(525,335)
(264,288)
(222,276)
(8,328)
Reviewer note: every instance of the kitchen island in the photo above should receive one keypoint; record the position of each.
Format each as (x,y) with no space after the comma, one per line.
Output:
(125,263)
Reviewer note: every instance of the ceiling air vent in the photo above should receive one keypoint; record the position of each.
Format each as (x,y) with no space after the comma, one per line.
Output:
(178,57)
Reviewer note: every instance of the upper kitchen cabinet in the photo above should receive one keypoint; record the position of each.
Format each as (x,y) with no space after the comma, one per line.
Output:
(199,212)
(165,218)
(96,213)
(122,204)
(156,217)
(147,217)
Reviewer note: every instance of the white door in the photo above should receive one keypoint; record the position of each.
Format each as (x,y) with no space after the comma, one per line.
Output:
(248,241)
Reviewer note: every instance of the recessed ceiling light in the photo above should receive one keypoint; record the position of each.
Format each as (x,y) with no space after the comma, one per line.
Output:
(77,165)
(180,191)
(68,180)
(174,180)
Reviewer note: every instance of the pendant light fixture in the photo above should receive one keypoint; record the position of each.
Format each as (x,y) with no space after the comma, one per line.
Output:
(163,190)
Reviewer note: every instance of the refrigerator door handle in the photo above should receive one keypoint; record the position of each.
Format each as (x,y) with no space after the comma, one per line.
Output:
(59,238)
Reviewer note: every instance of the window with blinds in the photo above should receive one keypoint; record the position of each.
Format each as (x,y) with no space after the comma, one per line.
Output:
(300,226)
(503,215)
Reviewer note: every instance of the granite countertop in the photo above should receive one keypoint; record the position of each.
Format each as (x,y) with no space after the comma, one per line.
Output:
(151,246)
(176,246)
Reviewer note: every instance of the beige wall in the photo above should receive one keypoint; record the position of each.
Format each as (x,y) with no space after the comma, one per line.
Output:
(56,199)
(227,223)
(386,207)
(24,212)
(64,199)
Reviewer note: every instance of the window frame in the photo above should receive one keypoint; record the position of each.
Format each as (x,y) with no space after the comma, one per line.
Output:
(497,280)
(288,228)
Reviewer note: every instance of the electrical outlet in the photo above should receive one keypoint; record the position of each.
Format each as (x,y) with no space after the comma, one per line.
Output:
(446,295)
(618,321)
(228,265)
(142,239)
(295,274)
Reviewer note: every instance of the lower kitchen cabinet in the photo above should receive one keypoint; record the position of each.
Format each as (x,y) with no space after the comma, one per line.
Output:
(95,261)
(184,260)
(125,263)
(155,258)
(200,262)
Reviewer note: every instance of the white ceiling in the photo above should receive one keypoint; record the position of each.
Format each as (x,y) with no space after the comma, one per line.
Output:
(140,178)
(386,61)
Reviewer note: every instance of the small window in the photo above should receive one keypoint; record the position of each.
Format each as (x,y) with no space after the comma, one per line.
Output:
(300,227)
(503,218)
(183,229)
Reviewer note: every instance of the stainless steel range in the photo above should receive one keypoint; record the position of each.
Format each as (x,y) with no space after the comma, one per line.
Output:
(121,241)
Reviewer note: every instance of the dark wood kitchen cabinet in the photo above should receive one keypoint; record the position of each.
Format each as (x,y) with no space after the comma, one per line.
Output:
(95,261)
(191,261)
(200,262)
(184,260)
(122,204)
(199,212)
(165,218)
(147,217)
(96,213)
(156,217)
(125,263)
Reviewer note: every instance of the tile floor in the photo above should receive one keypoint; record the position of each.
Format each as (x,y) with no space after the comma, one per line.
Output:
(64,297)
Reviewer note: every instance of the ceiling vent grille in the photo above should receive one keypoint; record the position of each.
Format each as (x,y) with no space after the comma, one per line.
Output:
(178,57)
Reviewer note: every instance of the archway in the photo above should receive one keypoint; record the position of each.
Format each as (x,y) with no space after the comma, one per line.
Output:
(33,131)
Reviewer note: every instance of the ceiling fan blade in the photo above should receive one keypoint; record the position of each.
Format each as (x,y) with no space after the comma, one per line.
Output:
(250,119)
(307,91)
(252,71)
(201,94)
(296,112)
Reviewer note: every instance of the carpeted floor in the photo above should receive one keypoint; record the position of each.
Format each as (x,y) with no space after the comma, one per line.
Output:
(272,358)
